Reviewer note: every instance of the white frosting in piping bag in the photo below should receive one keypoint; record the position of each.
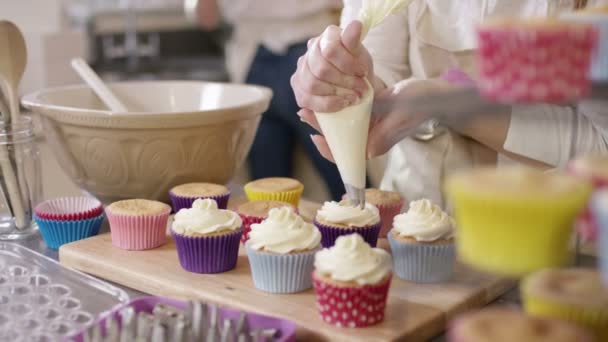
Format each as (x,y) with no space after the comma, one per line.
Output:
(346,130)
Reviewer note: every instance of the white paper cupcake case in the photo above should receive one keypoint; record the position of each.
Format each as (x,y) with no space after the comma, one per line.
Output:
(287,273)
(422,263)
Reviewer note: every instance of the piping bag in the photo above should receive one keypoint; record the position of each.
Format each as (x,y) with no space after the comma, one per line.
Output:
(346,130)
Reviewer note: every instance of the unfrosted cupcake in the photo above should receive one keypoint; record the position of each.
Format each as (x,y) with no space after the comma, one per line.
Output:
(422,243)
(593,169)
(505,325)
(576,295)
(352,280)
(138,224)
(184,195)
(256,212)
(207,238)
(281,252)
(275,189)
(515,220)
(336,219)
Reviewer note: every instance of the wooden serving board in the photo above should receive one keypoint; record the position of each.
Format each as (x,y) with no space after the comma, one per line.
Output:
(415,312)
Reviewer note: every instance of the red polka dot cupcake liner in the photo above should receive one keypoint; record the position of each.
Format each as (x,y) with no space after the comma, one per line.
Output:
(387,214)
(351,307)
(247,222)
(69,209)
(519,64)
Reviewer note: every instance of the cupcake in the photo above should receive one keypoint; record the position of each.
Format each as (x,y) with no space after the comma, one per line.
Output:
(598,18)
(389,204)
(422,243)
(275,189)
(351,281)
(534,60)
(576,295)
(336,219)
(514,220)
(281,252)
(256,212)
(599,206)
(207,238)
(182,196)
(505,325)
(593,169)
(138,224)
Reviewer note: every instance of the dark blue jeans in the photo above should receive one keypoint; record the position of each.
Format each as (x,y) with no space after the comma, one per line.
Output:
(280,129)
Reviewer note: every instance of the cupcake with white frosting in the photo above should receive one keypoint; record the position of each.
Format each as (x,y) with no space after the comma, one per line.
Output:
(422,243)
(336,219)
(281,252)
(207,238)
(352,280)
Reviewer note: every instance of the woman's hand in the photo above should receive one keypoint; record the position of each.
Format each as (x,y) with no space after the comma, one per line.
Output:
(389,127)
(330,76)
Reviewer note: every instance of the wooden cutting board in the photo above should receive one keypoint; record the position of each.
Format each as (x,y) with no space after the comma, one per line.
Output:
(415,312)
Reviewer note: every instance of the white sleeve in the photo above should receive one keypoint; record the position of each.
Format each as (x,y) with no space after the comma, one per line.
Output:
(387,43)
(554,134)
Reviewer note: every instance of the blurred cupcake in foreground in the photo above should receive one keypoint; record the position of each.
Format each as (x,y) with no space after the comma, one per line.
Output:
(351,281)
(534,59)
(182,196)
(207,238)
(256,212)
(504,325)
(575,295)
(336,219)
(515,220)
(281,252)
(389,204)
(275,189)
(593,169)
(422,243)
(138,224)
(599,206)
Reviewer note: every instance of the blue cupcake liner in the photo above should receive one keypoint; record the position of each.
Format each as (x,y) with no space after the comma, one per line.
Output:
(56,233)
(288,273)
(422,263)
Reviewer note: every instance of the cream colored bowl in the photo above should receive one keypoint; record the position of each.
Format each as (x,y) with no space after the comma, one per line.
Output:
(175,132)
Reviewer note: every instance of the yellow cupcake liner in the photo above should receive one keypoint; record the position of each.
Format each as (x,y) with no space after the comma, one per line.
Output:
(595,319)
(512,235)
(292,197)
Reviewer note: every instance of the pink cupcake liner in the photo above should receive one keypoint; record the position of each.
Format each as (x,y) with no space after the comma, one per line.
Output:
(351,307)
(522,65)
(387,214)
(138,232)
(182,202)
(69,209)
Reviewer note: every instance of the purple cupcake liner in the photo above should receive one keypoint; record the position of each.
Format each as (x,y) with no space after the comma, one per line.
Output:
(330,234)
(208,254)
(181,202)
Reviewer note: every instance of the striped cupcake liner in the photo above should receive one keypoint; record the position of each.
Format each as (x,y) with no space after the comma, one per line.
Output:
(56,232)
(287,273)
(351,307)
(208,254)
(291,197)
(329,234)
(69,209)
(387,214)
(422,263)
(182,202)
(138,232)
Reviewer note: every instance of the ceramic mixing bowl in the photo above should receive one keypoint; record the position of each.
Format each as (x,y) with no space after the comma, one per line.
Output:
(175,132)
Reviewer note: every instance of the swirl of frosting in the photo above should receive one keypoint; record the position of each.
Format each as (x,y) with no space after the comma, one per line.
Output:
(424,221)
(345,214)
(351,259)
(283,232)
(205,218)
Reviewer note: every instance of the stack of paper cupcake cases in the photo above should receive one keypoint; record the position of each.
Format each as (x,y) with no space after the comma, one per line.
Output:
(519,64)
(183,202)
(281,273)
(599,207)
(67,219)
(138,232)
